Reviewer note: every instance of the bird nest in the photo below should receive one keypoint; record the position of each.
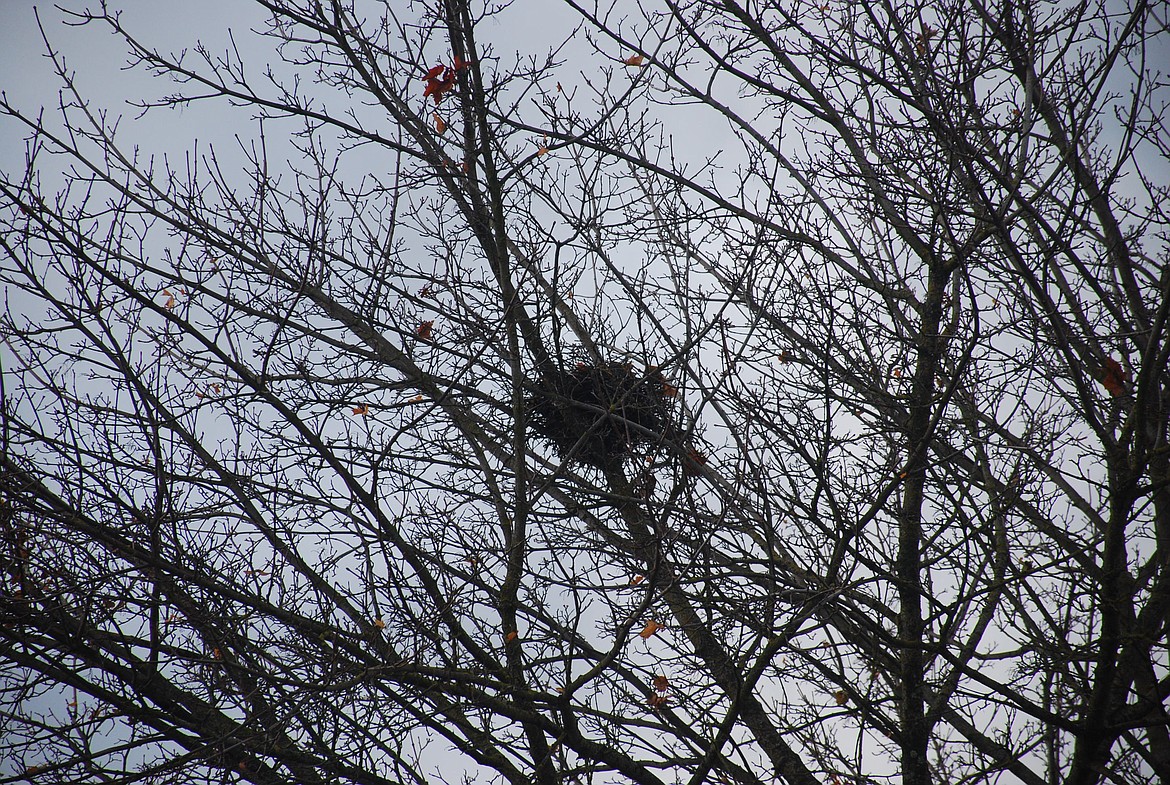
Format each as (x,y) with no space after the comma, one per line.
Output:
(599,413)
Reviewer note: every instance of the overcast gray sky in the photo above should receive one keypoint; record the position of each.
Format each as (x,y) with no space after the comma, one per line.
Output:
(98,59)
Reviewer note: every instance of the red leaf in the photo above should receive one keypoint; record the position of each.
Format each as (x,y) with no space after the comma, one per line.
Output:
(634,60)
(694,459)
(1113,377)
(440,80)
(425,329)
(445,87)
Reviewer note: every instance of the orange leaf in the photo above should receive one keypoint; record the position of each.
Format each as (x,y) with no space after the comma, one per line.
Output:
(661,683)
(637,579)
(634,60)
(425,330)
(657,701)
(217,654)
(542,151)
(669,390)
(511,636)
(170,303)
(923,43)
(440,123)
(361,410)
(381,625)
(1113,377)
(650,628)
(841,697)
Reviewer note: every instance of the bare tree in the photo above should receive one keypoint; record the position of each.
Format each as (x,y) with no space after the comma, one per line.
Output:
(727,392)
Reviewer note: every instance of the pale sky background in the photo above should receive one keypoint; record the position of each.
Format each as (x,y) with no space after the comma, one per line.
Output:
(98,58)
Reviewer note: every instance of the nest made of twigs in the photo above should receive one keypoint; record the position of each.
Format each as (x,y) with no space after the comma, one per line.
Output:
(599,413)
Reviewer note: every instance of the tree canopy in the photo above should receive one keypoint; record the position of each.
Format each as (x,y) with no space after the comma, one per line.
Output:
(697,391)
